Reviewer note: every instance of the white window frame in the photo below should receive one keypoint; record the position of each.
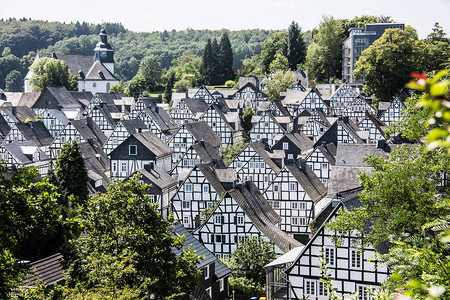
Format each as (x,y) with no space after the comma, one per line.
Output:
(285,146)
(221,284)
(186,204)
(188,187)
(329,254)
(310,287)
(206,272)
(240,220)
(217,220)
(129,149)
(355,259)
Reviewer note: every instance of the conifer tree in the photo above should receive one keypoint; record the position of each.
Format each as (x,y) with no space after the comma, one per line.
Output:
(225,58)
(296,46)
(207,62)
(71,174)
(216,66)
(169,86)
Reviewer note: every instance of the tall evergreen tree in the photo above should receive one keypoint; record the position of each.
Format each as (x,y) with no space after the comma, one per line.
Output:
(216,66)
(296,46)
(226,58)
(169,86)
(207,62)
(71,174)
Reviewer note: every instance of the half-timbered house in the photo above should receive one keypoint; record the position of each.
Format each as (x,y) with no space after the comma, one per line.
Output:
(352,268)
(216,119)
(122,131)
(188,110)
(190,133)
(357,109)
(251,95)
(393,112)
(31,131)
(205,94)
(242,213)
(321,159)
(137,150)
(297,100)
(294,145)
(292,194)
(374,126)
(342,98)
(141,103)
(267,127)
(159,122)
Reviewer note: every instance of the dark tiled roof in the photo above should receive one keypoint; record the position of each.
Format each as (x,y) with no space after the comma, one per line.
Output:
(157,176)
(89,130)
(4,128)
(202,132)
(16,150)
(133,125)
(256,207)
(56,97)
(196,105)
(99,72)
(353,154)
(208,154)
(329,151)
(83,97)
(75,63)
(161,118)
(209,171)
(307,179)
(282,108)
(35,131)
(152,142)
(28,99)
(19,114)
(300,140)
(92,149)
(48,270)
(260,148)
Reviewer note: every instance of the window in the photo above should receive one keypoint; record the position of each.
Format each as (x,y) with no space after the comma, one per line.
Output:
(329,256)
(363,292)
(188,187)
(63,139)
(275,204)
(256,165)
(218,238)
(108,87)
(240,220)
(94,84)
(355,259)
(206,272)
(310,287)
(251,165)
(152,198)
(221,284)
(290,156)
(218,219)
(302,221)
(124,166)
(191,163)
(205,188)
(114,166)
(266,124)
(294,221)
(186,204)
(324,166)
(292,187)
(322,289)
(186,220)
(266,178)
(275,187)
(285,146)
(133,150)
(294,205)
(262,165)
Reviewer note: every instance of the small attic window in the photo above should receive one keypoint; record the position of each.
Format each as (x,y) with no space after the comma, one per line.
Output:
(94,84)
(133,150)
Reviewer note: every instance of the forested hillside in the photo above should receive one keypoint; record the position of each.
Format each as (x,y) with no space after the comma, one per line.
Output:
(24,36)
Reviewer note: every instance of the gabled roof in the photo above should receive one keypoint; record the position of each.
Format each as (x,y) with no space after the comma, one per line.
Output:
(89,130)
(35,131)
(28,99)
(161,118)
(202,132)
(208,153)
(262,215)
(353,154)
(83,97)
(196,105)
(23,152)
(281,107)
(260,148)
(191,243)
(133,125)
(157,176)
(99,72)
(295,97)
(300,140)
(56,97)
(329,151)
(152,142)
(209,171)
(307,179)
(18,114)
(48,270)
(380,125)
(4,128)
(93,150)
(75,63)
(250,85)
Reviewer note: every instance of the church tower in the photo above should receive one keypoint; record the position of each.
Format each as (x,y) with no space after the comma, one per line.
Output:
(104,52)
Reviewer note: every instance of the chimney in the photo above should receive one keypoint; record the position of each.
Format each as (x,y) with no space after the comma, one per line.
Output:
(303,164)
(139,130)
(150,166)
(381,144)
(54,55)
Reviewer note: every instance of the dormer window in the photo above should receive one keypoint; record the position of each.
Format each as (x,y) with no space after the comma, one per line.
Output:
(133,149)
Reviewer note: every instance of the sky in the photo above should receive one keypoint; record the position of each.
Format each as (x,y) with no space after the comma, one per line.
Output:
(151,15)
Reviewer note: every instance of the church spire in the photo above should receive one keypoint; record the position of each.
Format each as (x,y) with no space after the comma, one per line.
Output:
(103,50)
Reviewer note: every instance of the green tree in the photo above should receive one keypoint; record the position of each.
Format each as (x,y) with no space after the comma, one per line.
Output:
(12,272)
(295,46)
(280,63)
(129,249)
(169,87)
(247,119)
(225,58)
(250,257)
(151,72)
(208,61)
(187,63)
(276,44)
(136,87)
(324,57)
(117,88)
(388,62)
(229,152)
(252,67)
(281,81)
(14,81)
(52,72)
(71,175)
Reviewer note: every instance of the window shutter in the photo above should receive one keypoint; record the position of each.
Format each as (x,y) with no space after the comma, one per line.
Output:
(222,219)
(212,238)
(223,239)
(235,220)
(235,238)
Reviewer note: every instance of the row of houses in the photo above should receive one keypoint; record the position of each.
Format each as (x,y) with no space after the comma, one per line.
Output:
(304,151)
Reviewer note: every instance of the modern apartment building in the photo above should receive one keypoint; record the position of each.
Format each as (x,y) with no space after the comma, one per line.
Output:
(359,40)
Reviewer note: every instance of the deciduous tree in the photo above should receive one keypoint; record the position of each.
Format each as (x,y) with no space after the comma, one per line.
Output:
(52,72)
(281,81)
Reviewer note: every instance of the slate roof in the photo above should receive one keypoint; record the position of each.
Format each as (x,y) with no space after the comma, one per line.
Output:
(282,108)
(35,131)
(197,106)
(89,130)
(161,118)
(23,152)
(202,132)
(262,215)
(59,115)
(353,154)
(75,63)
(92,149)
(307,179)
(4,128)
(300,140)
(329,151)
(152,142)
(157,176)
(18,114)
(190,241)
(48,270)
(209,171)
(28,99)
(133,125)
(99,72)
(251,85)
(208,154)
(382,106)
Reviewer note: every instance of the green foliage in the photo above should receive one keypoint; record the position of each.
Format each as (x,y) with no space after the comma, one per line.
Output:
(229,152)
(387,63)
(136,87)
(247,118)
(167,97)
(187,67)
(225,58)
(250,257)
(436,101)
(231,84)
(280,63)
(324,57)
(295,47)
(150,71)
(281,81)
(52,72)
(11,273)
(14,81)
(71,175)
(11,63)
(276,44)
(128,249)
(245,287)
(117,88)
(252,67)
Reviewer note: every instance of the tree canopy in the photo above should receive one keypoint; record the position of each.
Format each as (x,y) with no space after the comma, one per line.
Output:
(281,81)
(52,72)
(295,47)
